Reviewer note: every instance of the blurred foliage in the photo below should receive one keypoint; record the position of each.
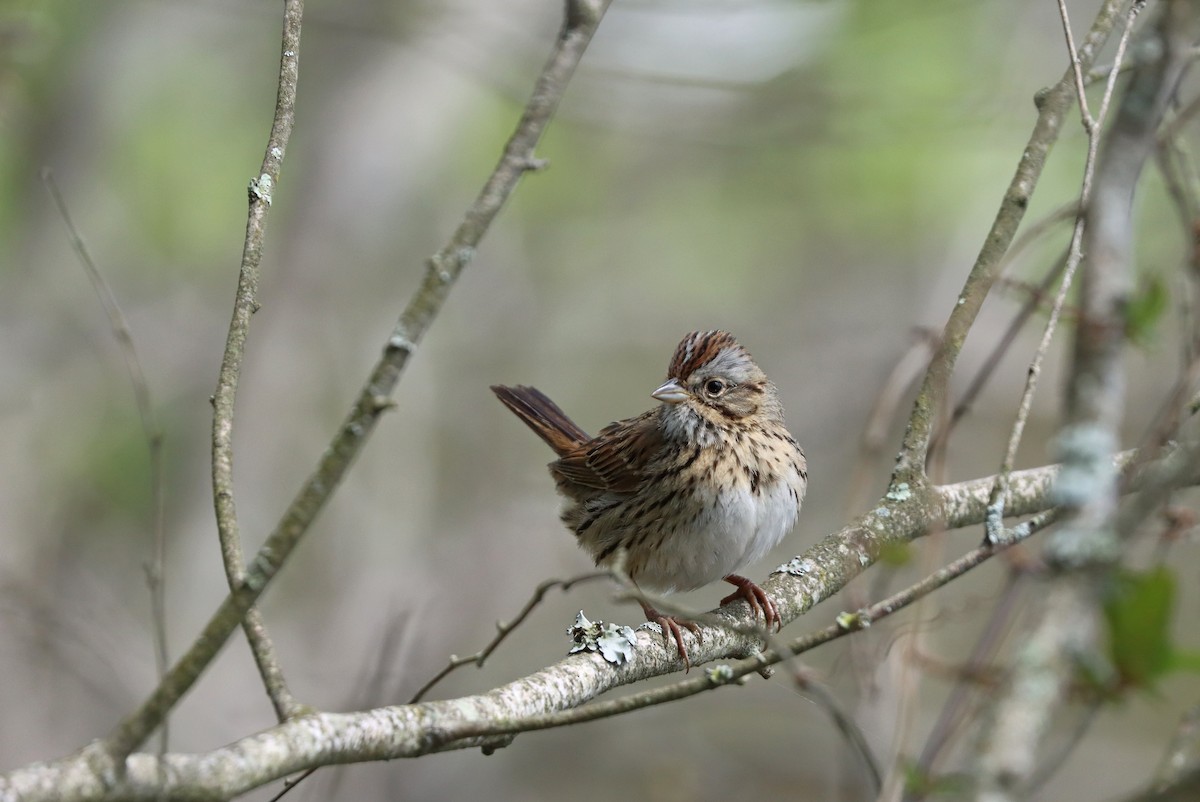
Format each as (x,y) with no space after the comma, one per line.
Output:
(896,554)
(181,161)
(820,200)
(1139,607)
(1145,310)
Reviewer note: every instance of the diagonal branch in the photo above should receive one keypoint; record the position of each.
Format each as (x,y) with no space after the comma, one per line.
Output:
(244,306)
(581,21)
(1053,105)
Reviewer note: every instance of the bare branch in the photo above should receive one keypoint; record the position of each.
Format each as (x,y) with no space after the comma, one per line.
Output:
(1086,546)
(244,306)
(1074,252)
(1052,107)
(581,20)
(503,629)
(845,723)
(155,578)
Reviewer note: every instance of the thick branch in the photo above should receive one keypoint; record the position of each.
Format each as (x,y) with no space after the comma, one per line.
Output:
(538,701)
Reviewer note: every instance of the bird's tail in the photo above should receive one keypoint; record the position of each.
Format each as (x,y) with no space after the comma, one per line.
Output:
(543,416)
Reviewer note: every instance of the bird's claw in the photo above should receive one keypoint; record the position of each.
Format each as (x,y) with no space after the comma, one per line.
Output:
(672,628)
(757,598)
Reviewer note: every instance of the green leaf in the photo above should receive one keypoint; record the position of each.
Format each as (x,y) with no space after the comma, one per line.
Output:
(895,554)
(1138,611)
(1145,309)
(924,786)
(1185,661)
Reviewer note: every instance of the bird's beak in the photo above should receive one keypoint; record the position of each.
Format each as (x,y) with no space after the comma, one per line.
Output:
(670,393)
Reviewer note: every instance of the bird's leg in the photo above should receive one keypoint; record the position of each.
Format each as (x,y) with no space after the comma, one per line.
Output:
(756,597)
(672,627)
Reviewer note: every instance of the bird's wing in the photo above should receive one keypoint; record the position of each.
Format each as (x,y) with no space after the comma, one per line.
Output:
(616,459)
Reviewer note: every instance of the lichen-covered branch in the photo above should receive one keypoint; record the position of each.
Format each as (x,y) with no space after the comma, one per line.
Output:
(558,695)
(244,306)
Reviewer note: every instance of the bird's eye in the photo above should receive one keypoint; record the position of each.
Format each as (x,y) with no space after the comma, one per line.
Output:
(714,387)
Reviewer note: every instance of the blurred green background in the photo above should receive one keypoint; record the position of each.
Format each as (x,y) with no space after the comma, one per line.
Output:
(816,177)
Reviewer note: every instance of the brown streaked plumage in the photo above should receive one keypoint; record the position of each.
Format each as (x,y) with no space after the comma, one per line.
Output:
(693,490)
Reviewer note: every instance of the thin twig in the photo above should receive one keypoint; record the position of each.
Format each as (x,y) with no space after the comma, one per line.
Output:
(952,711)
(503,629)
(1089,123)
(244,306)
(845,723)
(1172,129)
(155,574)
(1097,74)
(1058,758)
(581,20)
(999,350)
(370,686)
(289,784)
(1052,107)
(1093,127)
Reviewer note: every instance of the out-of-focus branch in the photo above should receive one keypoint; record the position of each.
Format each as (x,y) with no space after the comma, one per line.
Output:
(1185,788)
(1053,105)
(155,578)
(1086,546)
(581,20)
(1074,252)
(1182,752)
(244,306)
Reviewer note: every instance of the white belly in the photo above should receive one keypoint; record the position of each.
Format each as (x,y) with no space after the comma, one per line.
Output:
(731,530)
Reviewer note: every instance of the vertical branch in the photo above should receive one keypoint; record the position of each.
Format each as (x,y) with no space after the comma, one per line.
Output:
(582,18)
(244,306)
(1086,548)
(1052,107)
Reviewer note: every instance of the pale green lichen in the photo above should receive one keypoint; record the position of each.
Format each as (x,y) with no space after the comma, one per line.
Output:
(260,188)
(797,566)
(899,492)
(1086,451)
(615,643)
(853,621)
(720,674)
(993,522)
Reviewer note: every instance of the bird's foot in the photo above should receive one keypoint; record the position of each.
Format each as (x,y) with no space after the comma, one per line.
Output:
(757,598)
(672,628)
